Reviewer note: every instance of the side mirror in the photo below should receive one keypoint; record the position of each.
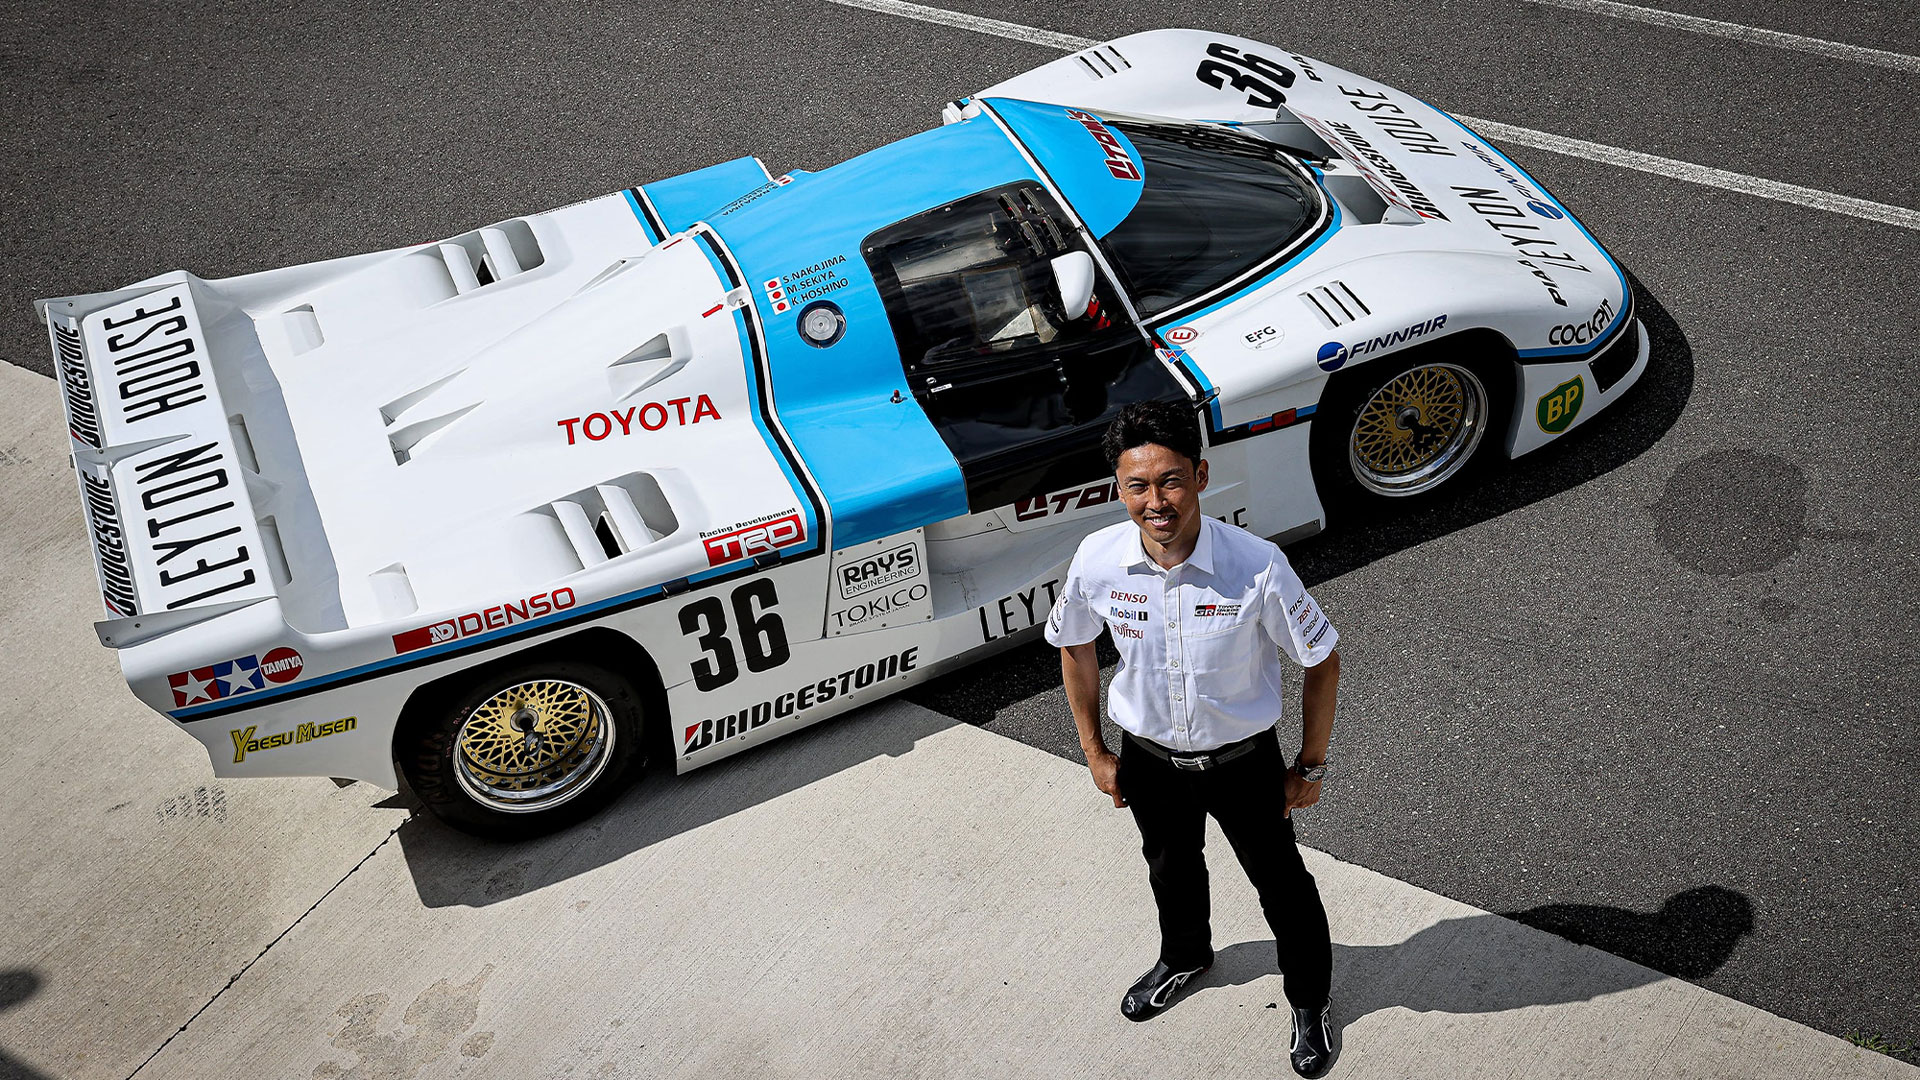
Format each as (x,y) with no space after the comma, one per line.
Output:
(1073,272)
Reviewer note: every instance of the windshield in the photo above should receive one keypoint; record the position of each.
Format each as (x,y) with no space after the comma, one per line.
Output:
(1215,205)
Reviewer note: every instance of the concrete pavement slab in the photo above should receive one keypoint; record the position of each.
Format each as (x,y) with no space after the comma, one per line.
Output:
(916,897)
(134,885)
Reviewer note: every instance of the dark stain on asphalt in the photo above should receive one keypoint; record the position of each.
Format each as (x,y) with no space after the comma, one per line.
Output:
(1733,512)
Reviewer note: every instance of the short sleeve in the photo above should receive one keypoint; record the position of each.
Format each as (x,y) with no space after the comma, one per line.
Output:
(1072,620)
(1292,618)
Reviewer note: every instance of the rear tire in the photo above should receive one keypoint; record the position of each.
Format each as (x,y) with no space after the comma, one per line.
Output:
(1394,432)
(525,749)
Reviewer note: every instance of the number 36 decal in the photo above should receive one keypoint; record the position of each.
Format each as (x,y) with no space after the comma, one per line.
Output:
(1260,78)
(762,635)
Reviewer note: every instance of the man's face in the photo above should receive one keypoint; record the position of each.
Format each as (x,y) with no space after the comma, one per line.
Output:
(1162,491)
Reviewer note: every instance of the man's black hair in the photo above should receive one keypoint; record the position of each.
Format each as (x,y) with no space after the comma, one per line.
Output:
(1173,425)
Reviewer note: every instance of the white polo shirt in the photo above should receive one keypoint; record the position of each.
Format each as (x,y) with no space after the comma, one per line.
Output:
(1199,666)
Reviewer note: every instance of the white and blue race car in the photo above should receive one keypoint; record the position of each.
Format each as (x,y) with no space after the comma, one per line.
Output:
(658,476)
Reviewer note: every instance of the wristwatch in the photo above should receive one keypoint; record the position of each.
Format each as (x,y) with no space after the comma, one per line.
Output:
(1312,774)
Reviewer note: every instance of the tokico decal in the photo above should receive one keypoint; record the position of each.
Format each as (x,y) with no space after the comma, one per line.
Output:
(1581,333)
(757,537)
(696,737)
(1334,355)
(536,606)
(651,416)
(877,607)
(1118,163)
(879,571)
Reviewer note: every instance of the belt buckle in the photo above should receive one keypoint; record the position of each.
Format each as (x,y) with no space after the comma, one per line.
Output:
(1197,763)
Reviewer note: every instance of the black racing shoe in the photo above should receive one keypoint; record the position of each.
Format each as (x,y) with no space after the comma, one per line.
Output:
(1312,1049)
(1155,990)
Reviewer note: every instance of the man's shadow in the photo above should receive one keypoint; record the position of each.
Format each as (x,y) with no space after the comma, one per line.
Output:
(1496,963)
(16,986)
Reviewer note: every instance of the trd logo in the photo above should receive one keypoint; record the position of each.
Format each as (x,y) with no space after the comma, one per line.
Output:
(751,540)
(1118,163)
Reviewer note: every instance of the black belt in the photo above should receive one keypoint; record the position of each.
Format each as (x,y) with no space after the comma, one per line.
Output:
(1198,762)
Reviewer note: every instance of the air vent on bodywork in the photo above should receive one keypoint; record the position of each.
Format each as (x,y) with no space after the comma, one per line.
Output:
(657,358)
(474,260)
(1336,303)
(609,520)
(1102,62)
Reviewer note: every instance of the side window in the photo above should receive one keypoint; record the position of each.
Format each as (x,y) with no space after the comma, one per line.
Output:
(973,280)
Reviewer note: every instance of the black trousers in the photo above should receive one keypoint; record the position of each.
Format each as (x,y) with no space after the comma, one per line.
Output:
(1247,796)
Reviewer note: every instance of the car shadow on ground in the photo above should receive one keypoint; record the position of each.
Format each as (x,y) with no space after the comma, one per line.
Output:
(1486,964)
(16,986)
(1625,431)
(450,868)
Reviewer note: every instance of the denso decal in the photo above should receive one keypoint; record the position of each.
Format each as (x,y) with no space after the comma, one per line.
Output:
(1036,507)
(1376,168)
(231,678)
(1523,234)
(651,416)
(536,606)
(245,743)
(1581,333)
(1396,122)
(757,537)
(1334,355)
(1118,163)
(879,571)
(697,737)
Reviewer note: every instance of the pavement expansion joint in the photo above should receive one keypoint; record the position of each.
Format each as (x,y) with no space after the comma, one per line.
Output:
(244,968)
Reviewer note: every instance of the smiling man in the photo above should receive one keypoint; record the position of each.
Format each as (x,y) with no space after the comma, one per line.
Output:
(1200,611)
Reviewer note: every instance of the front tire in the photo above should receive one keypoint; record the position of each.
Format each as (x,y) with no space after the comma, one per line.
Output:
(1400,429)
(526,749)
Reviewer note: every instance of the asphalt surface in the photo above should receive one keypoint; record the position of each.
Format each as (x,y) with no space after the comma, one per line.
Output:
(1665,665)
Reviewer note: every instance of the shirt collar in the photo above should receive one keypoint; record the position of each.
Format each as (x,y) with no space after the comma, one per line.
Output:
(1134,552)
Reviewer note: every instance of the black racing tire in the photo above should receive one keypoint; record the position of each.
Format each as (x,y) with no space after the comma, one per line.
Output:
(1389,434)
(523,749)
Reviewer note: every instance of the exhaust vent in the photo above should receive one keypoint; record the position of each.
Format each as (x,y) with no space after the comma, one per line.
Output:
(619,517)
(1337,304)
(1102,62)
(659,357)
(478,259)
(408,440)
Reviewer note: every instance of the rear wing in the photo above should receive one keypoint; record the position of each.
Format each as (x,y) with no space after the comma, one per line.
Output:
(164,470)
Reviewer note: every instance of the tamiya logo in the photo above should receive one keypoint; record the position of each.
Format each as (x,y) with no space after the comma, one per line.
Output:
(231,678)
(754,539)
(479,622)
(1118,162)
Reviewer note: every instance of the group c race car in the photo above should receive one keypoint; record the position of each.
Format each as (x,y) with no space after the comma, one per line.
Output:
(661,475)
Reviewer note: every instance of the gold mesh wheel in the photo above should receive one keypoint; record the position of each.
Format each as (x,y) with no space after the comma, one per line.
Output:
(533,745)
(1418,429)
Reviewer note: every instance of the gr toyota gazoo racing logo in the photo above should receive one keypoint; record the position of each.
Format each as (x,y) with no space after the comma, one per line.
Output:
(1118,163)
(479,622)
(757,537)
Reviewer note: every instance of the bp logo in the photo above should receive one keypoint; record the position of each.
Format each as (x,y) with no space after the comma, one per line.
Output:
(1560,405)
(1332,355)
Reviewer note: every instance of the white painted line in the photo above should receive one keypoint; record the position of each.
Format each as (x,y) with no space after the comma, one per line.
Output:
(976,23)
(1610,155)
(1752,35)
(1698,174)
